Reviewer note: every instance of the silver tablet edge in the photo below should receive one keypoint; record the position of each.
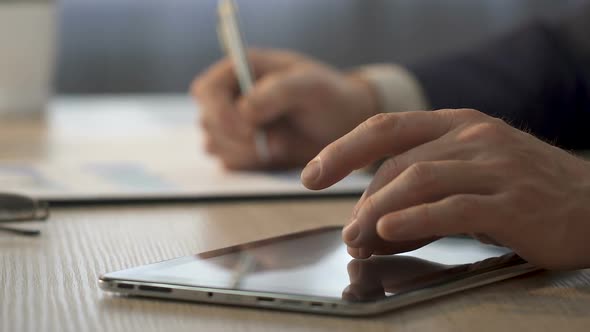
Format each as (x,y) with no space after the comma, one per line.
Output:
(308,304)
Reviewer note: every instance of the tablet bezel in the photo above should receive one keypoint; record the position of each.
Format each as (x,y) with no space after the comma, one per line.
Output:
(499,269)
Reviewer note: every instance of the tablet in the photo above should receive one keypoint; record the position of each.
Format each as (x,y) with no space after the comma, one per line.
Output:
(312,272)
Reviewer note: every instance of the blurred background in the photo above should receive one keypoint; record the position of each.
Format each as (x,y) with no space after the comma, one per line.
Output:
(147,46)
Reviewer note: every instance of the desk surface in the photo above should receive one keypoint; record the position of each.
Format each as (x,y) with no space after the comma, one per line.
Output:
(50,283)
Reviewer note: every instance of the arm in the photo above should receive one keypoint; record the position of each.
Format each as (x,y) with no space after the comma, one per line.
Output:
(537,79)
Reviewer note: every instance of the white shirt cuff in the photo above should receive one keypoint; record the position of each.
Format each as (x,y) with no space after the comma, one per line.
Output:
(397,88)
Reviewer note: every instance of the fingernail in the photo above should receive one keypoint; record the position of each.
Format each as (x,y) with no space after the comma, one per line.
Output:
(365,253)
(349,295)
(312,171)
(354,252)
(351,232)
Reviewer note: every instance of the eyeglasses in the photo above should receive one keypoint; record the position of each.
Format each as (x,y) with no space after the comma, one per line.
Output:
(19,208)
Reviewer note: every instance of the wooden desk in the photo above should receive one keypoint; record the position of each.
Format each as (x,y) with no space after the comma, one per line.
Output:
(50,283)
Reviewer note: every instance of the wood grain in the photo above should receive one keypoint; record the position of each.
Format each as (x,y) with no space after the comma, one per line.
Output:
(50,283)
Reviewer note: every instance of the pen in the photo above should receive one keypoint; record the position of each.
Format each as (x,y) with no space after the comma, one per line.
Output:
(246,263)
(233,44)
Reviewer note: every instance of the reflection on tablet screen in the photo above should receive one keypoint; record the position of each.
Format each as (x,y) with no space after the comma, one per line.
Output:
(317,264)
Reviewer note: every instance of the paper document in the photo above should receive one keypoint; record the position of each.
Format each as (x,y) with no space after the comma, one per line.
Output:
(126,148)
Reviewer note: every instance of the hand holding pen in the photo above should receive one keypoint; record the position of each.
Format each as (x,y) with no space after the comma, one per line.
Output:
(232,41)
(295,107)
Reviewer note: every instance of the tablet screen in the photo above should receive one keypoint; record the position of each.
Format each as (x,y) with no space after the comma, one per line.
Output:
(317,264)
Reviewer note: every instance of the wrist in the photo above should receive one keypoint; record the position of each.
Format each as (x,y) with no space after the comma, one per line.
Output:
(368,95)
(396,88)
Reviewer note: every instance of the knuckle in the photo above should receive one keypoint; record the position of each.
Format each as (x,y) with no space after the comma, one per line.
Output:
(391,165)
(421,172)
(489,131)
(382,122)
(498,121)
(272,87)
(469,113)
(334,150)
(272,81)
(458,117)
(369,208)
(422,181)
(461,114)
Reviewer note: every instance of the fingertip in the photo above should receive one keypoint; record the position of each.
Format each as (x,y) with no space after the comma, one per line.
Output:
(351,232)
(321,173)
(365,253)
(349,293)
(353,252)
(311,174)
(336,164)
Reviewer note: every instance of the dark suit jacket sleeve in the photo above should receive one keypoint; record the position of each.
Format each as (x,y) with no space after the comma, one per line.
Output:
(537,79)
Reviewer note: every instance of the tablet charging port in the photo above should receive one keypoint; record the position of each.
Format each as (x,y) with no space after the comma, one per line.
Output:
(262,299)
(124,286)
(155,289)
(291,302)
